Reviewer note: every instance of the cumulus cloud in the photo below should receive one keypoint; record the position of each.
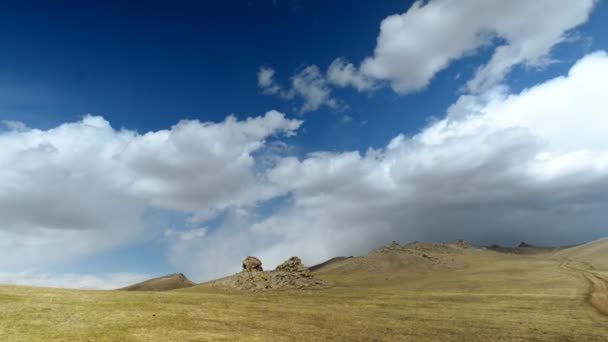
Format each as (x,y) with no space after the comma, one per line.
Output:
(83,187)
(499,167)
(62,192)
(414,46)
(309,85)
(206,166)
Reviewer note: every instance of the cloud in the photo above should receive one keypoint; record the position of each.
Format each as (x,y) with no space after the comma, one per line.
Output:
(218,252)
(205,166)
(108,281)
(186,235)
(414,46)
(269,85)
(346,119)
(344,74)
(499,168)
(83,187)
(62,193)
(14,125)
(309,85)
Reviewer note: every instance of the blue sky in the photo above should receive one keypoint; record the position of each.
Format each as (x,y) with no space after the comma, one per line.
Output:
(397,147)
(145,67)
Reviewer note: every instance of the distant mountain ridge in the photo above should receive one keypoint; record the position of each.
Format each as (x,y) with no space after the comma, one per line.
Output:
(526,248)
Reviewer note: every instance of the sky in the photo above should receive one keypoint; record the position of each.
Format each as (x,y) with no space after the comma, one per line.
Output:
(139,139)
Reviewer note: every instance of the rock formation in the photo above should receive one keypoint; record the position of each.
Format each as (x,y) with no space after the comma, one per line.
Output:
(293,264)
(462,244)
(252,264)
(291,274)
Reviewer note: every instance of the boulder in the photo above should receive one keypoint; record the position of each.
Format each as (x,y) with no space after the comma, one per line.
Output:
(293,264)
(252,264)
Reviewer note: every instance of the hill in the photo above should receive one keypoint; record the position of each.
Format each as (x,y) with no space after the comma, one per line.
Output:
(165,283)
(594,253)
(327,263)
(526,248)
(398,292)
(386,265)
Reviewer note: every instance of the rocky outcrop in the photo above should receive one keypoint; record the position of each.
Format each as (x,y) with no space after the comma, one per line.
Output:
(462,244)
(252,264)
(291,274)
(293,264)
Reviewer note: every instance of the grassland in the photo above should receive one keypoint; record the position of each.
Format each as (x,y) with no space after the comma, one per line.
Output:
(492,297)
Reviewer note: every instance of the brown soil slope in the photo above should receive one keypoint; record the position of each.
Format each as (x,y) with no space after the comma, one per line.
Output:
(166,283)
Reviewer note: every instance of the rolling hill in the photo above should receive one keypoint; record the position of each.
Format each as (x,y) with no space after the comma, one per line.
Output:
(417,291)
(595,254)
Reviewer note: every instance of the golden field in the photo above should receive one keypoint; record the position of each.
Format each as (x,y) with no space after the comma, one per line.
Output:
(487,296)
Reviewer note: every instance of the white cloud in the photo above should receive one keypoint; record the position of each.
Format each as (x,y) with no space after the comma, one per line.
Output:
(309,85)
(220,251)
(269,85)
(344,74)
(414,46)
(266,78)
(62,193)
(83,187)
(566,113)
(108,281)
(499,168)
(203,166)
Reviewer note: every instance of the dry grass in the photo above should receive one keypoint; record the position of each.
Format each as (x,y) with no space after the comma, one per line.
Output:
(495,297)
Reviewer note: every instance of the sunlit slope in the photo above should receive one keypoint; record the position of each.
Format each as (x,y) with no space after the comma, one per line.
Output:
(396,264)
(595,254)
